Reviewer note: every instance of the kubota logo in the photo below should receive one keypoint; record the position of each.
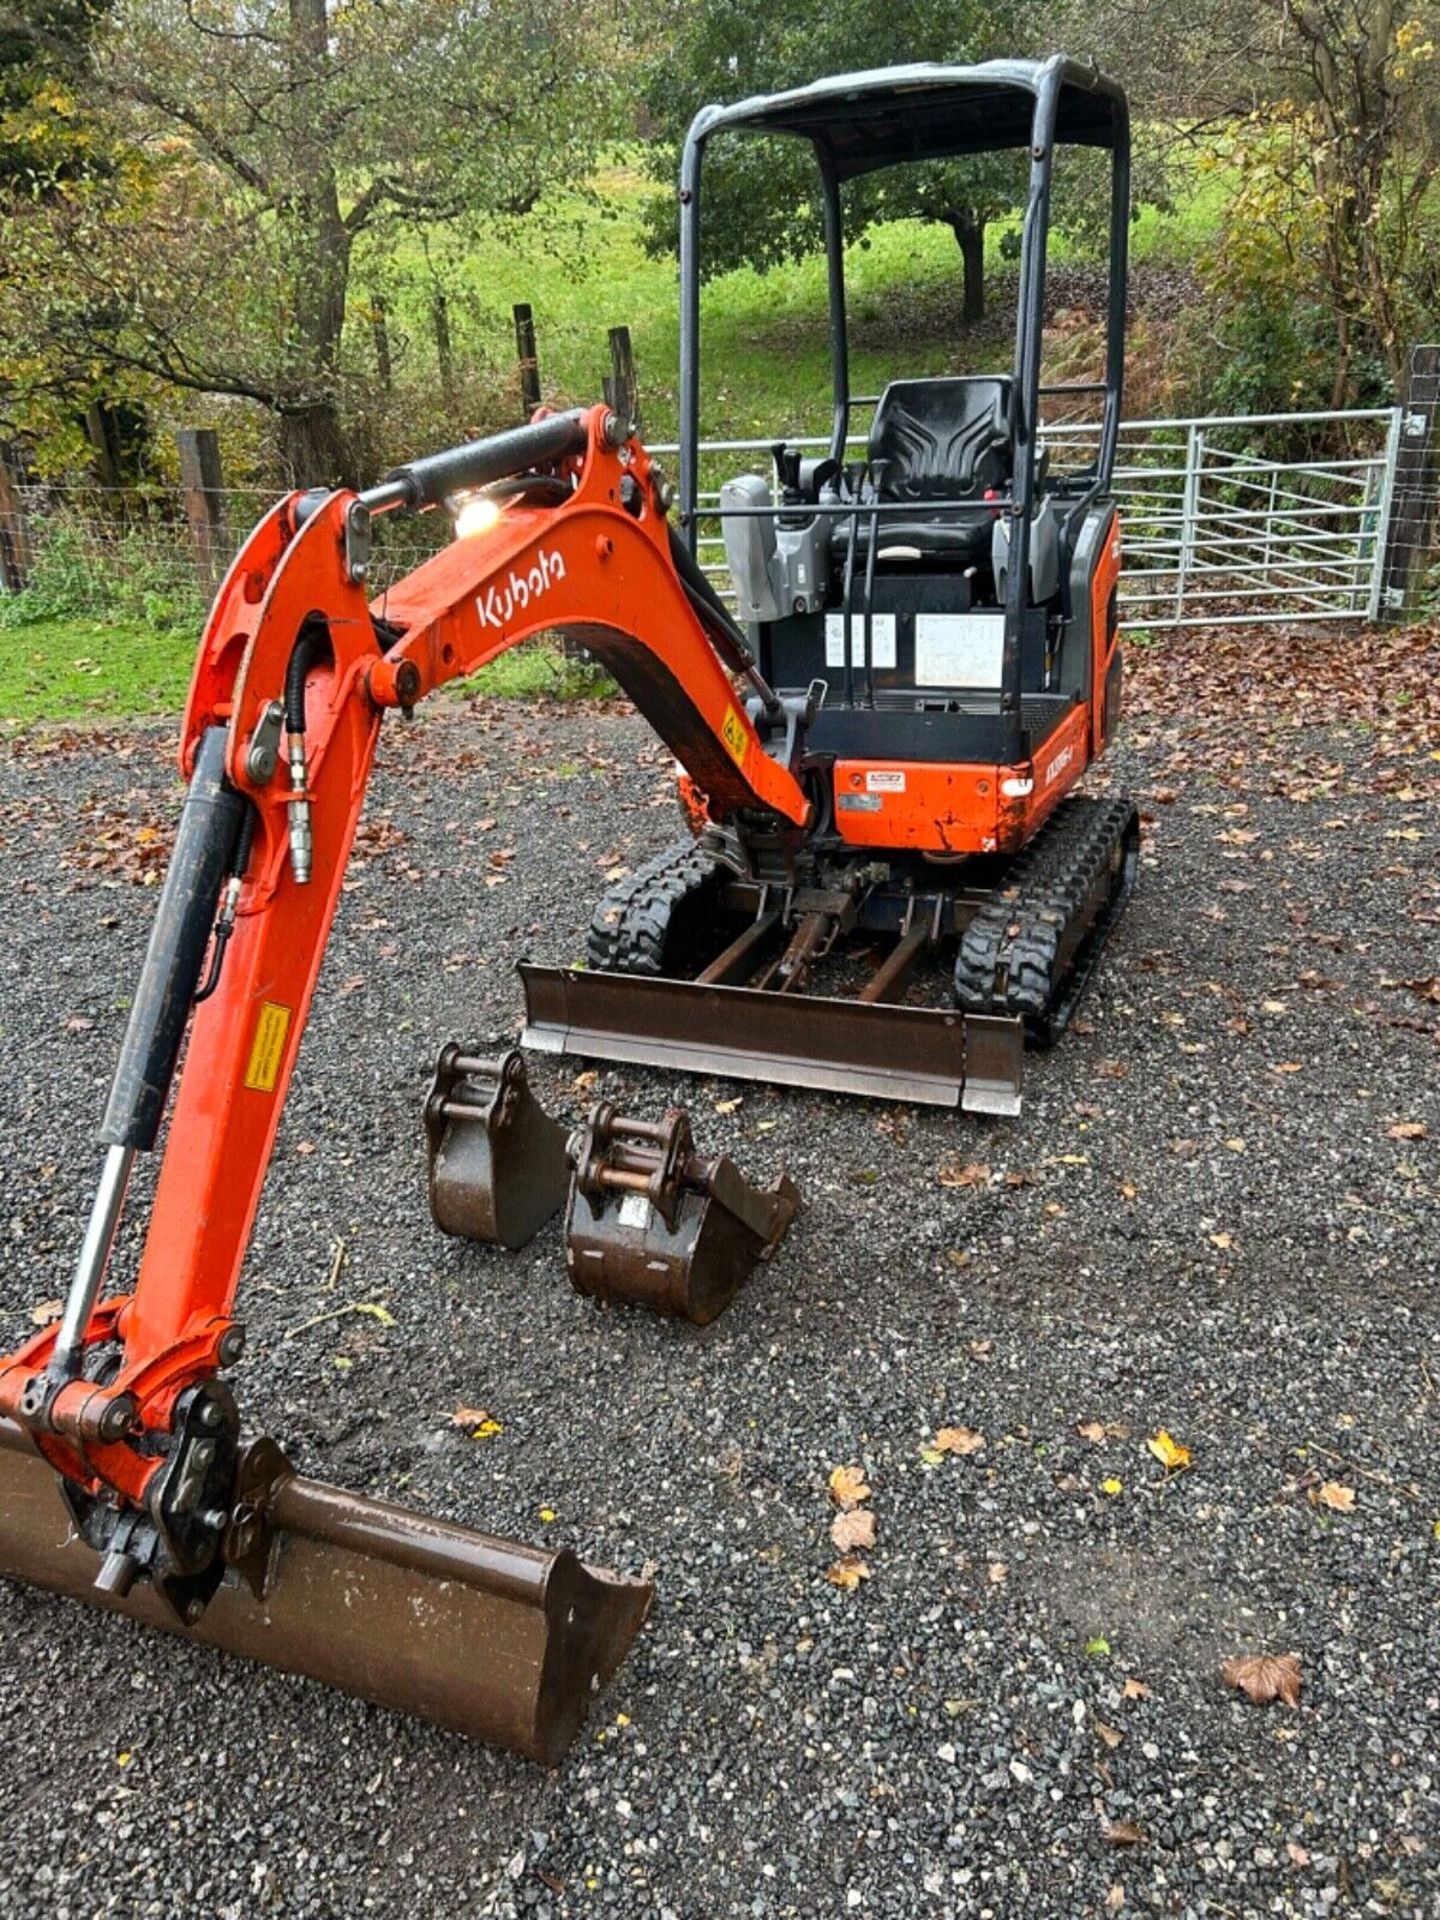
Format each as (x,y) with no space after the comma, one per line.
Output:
(497,606)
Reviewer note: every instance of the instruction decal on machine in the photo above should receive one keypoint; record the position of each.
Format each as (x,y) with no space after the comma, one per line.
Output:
(732,732)
(267,1049)
(959,649)
(882,640)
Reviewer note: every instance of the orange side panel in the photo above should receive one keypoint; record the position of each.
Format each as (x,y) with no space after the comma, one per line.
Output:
(1104,628)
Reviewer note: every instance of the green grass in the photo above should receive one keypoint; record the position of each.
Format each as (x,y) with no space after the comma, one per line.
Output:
(91,669)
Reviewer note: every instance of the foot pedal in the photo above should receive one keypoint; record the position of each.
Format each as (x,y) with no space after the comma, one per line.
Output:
(497,1160)
(651,1223)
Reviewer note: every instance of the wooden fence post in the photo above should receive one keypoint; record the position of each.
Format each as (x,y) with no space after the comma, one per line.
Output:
(621,391)
(203,485)
(528,359)
(440,315)
(16,552)
(380,335)
(1411,522)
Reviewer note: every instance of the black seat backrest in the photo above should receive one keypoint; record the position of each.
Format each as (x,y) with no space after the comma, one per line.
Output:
(943,439)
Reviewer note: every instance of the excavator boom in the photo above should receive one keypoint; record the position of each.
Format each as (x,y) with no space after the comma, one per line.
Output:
(123,1401)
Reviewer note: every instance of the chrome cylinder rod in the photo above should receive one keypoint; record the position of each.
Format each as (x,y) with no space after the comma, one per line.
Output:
(93,1260)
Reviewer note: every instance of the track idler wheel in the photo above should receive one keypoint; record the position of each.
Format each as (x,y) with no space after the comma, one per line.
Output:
(497,1160)
(653,1224)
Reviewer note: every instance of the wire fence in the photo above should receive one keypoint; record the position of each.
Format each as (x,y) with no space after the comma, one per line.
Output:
(133,553)
(1226,519)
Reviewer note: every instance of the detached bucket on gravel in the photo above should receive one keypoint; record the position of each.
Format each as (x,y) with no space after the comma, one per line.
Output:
(495,1640)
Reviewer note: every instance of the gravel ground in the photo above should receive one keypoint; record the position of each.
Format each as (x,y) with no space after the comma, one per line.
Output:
(1204,1222)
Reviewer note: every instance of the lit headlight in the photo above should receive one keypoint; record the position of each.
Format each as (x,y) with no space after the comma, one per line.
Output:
(474,513)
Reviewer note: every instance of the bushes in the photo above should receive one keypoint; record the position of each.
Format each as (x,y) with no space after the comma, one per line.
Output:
(85,567)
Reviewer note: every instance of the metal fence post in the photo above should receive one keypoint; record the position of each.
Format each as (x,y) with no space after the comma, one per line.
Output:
(1412,516)
(203,485)
(1189,511)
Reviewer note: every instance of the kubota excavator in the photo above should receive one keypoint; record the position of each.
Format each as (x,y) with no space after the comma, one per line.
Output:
(880,748)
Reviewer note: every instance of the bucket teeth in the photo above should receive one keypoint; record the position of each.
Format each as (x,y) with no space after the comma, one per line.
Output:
(486,1636)
(497,1159)
(651,1223)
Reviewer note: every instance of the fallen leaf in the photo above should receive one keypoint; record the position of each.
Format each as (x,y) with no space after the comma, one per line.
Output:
(1112,1486)
(997,1573)
(1171,1455)
(1263,1677)
(45,1311)
(847,1487)
(1135,1690)
(1225,1241)
(847,1573)
(1091,1430)
(583,1082)
(961,1440)
(77,1023)
(1115,1898)
(972,1174)
(1123,1833)
(1098,1648)
(1298,1856)
(1112,1736)
(1287,1066)
(853,1529)
(469,1416)
(730,1106)
(1408,1130)
(1339,1498)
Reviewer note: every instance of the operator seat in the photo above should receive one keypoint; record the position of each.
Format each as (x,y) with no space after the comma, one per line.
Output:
(944,439)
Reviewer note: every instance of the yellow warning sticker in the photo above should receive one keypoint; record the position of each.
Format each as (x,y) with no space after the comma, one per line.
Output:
(732,732)
(267,1049)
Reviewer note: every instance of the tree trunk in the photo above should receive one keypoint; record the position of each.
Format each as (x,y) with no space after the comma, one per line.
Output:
(314,450)
(314,445)
(968,227)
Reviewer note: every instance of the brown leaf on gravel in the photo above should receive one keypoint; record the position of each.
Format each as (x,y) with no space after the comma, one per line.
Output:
(1123,1833)
(1115,1898)
(1336,1496)
(44,1311)
(961,1440)
(972,1174)
(1134,1689)
(853,1529)
(848,1573)
(468,1417)
(1263,1677)
(1299,1857)
(847,1487)
(1112,1736)
(1408,1130)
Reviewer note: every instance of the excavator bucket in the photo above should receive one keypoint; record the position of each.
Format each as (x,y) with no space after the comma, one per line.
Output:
(497,1160)
(652,1223)
(495,1640)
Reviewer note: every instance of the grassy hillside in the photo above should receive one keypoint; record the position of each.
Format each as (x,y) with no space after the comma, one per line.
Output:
(583,268)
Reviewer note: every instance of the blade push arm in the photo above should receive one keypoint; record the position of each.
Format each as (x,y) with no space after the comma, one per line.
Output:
(294,646)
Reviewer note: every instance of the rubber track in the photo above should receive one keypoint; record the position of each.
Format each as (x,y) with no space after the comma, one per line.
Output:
(627,933)
(1008,958)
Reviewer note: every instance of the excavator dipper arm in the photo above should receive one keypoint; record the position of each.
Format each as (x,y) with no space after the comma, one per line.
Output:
(122,1398)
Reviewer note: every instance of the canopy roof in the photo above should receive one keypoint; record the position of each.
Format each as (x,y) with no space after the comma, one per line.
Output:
(892,115)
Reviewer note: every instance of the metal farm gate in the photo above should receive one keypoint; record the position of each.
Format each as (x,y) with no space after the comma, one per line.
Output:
(1228,519)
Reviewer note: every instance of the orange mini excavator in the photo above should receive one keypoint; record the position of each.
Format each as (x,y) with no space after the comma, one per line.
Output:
(876,758)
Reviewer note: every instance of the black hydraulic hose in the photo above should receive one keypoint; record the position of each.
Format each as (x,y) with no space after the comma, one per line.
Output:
(225,925)
(205,844)
(714,615)
(311,643)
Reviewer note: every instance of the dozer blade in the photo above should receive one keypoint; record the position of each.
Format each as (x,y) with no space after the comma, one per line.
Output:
(490,1638)
(933,1057)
